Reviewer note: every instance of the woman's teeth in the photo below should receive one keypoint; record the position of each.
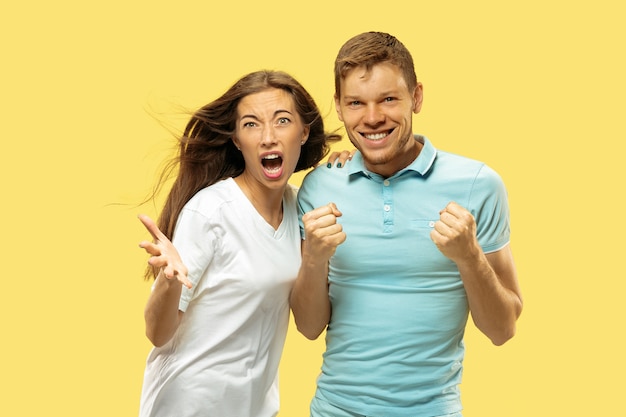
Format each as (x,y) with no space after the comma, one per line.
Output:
(272,162)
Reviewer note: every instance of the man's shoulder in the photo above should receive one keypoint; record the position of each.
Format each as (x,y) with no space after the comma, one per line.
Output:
(457,159)
(325,173)
(460,163)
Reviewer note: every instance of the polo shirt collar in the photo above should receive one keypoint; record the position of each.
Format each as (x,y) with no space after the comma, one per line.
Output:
(421,164)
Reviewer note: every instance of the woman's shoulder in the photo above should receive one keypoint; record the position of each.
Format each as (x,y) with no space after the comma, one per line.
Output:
(211,198)
(291,192)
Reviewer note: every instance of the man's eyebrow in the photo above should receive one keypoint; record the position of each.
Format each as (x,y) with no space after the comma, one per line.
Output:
(389,93)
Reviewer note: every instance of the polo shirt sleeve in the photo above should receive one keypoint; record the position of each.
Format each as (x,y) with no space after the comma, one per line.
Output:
(491,210)
(305,192)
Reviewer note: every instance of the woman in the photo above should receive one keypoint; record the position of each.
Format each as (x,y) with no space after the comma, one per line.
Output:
(218,312)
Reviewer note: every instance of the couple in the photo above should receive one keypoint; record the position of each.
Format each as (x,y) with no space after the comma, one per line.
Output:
(395,249)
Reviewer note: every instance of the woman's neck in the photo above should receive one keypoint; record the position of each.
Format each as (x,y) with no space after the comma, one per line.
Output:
(267,202)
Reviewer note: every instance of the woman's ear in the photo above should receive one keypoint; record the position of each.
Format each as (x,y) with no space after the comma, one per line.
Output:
(236,142)
(307,130)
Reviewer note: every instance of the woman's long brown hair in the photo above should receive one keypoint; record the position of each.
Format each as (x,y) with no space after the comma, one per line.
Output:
(207,153)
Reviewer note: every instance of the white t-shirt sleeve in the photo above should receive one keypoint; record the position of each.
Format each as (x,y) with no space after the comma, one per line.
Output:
(195,240)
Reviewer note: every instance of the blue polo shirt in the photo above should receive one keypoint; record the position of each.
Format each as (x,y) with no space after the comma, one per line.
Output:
(394,344)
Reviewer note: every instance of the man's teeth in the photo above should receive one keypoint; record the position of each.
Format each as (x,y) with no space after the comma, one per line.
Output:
(375,136)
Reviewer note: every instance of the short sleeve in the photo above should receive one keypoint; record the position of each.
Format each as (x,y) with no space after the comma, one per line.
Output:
(195,240)
(304,202)
(490,208)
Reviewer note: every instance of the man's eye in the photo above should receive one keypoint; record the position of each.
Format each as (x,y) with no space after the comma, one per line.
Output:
(355,103)
(389,99)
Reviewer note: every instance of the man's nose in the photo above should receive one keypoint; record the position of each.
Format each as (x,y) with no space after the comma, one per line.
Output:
(374,116)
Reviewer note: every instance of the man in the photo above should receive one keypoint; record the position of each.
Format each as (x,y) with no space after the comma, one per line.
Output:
(414,240)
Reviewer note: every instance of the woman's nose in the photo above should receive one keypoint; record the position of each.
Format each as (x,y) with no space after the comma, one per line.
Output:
(268,136)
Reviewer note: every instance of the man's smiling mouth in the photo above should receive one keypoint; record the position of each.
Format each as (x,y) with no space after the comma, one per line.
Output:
(376,136)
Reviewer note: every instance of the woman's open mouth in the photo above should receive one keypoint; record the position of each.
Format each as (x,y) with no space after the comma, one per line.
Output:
(272,165)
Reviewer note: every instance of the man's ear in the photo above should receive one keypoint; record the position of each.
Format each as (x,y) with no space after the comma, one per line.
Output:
(338,108)
(418,97)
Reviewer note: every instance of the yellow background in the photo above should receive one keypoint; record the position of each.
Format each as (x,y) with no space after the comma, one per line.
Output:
(89,92)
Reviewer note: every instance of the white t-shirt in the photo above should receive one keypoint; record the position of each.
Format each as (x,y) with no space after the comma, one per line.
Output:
(223,359)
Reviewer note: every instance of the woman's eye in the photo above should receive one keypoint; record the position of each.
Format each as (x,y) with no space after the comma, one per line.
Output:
(249,124)
(283,121)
